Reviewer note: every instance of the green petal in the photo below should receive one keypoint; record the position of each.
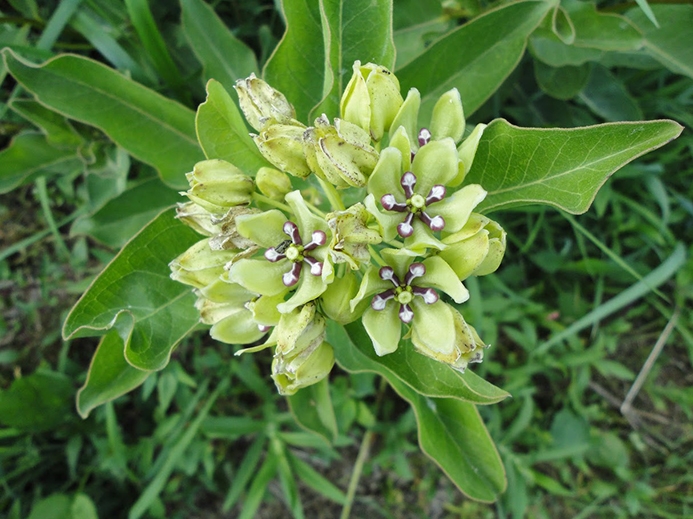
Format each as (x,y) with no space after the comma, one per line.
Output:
(466,153)
(307,221)
(400,140)
(422,239)
(457,207)
(474,224)
(237,328)
(310,287)
(265,311)
(408,115)
(448,117)
(387,221)
(222,291)
(386,175)
(384,328)
(433,331)
(371,284)
(259,275)
(264,228)
(465,256)
(441,276)
(435,163)
(496,250)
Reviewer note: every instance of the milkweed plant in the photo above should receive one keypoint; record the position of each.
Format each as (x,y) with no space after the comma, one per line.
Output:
(333,211)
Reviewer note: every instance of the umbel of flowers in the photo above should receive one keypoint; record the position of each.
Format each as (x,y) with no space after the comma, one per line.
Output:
(363,216)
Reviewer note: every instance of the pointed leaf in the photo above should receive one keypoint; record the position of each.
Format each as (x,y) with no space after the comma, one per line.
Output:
(223,56)
(57,129)
(222,131)
(109,377)
(135,294)
(312,409)
(150,127)
(476,58)
(452,434)
(560,167)
(354,352)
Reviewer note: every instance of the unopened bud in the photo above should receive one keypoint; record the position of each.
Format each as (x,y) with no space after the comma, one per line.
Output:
(293,373)
(335,300)
(217,185)
(199,266)
(282,145)
(273,183)
(262,104)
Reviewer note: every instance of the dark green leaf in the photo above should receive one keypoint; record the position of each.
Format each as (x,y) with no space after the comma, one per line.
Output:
(150,127)
(607,97)
(135,295)
(561,82)
(561,167)
(57,129)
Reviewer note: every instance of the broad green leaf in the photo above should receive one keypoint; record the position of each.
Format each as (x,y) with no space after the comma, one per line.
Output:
(561,82)
(560,167)
(452,434)
(57,129)
(603,31)
(607,97)
(122,217)
(297,65)
(222,131)
(30,155)
(312,409)
(670,44)
(547,47)
(109,377)
(55,506)
(135,294)
(150,127)
(354,352)
(353,30)
(37,402)
(412,41)
(223,56)
(476,58)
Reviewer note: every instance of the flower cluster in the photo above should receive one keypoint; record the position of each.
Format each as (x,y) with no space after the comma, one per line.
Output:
(382,229)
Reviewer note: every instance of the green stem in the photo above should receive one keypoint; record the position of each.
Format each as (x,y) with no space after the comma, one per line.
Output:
(42,193)
(332,195)
(315,210)
(376,256)
(271,202)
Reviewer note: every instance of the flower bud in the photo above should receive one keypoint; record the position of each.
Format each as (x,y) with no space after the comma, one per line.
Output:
(293,373)
(448,117)
(351,236)
(339,153)
(371,99)
(273,183)
(335,300)
(261,103)
(408,116)
(282,145)
(200,266)
(477,249)
(217,185)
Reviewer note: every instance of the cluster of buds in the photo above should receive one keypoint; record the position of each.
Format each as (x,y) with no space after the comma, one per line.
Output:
(364,217)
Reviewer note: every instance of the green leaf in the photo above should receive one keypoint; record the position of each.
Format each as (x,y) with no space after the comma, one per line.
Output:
(109,377)
(150,127)
(315,480)
(607,97)
(57,129)
(561,82)
(452,434)
(37,402)
(123,216)
(353,30)
(560,167)
(670,44)
(30,155)
(603,31)
(312,409)
(476,58)
(297,65)
(222,131)
(55,506)
(223,56)
(547,47)
(411,42)
(354,352)
(135,295)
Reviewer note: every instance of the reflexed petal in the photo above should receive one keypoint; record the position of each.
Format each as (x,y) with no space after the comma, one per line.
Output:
(408,115)
(474,224)
(465,256)
(307,221)
(371,284)
(237,328)
(457,207)
(386,175)
(309,287)
(466,153)
(259,275)
(400,140)
(433,331)
(388,221)
(265,311)
(435,163)
(442,277)
(264,228)
(448,117)
(222,291)
(496,250)
(422,239)
(384,328)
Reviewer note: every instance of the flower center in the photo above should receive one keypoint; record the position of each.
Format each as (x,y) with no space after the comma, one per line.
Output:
(415,205)
(296,253)
(403,292)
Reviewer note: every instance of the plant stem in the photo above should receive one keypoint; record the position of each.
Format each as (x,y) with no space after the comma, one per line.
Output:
(332,195)
(273,203)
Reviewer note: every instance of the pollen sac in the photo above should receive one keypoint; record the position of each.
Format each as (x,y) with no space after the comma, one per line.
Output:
(371,99)
(217,185)
(261,104)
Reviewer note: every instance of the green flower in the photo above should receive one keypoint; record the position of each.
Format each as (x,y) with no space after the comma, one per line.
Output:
(200,266)
(416,202)
(408,293)
(217,185)
(296,254)
(351,236)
